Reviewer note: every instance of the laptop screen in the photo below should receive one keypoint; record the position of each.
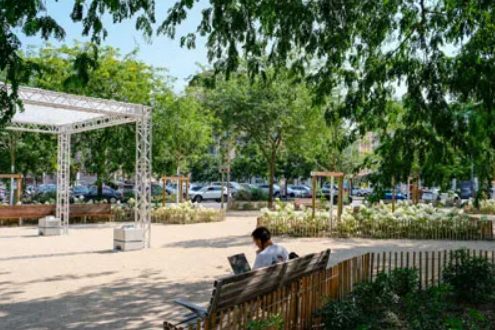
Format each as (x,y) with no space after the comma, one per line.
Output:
(239,263)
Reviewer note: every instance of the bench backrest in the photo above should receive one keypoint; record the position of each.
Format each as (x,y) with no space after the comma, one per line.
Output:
(26,211)
(81,210)
(237,289)
(41,211)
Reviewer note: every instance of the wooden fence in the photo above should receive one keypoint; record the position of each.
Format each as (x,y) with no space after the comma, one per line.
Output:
(297,303)
(458,229)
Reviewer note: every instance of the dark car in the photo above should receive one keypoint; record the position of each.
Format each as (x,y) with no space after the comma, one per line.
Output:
(398,196)
(325,191)
(108,194)
(466,189)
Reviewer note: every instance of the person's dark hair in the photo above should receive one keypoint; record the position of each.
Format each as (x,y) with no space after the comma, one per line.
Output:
(262,234)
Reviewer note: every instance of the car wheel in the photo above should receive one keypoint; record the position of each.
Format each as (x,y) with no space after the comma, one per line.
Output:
(198,199)
(292,195)
(113,200)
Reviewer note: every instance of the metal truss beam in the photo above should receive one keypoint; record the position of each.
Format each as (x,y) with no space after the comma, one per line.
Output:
(34,128)
(89,125)
(80,103)
(143,177)
(63,179)
(94,124)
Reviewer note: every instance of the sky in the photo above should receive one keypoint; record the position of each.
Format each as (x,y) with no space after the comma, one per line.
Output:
(161,52)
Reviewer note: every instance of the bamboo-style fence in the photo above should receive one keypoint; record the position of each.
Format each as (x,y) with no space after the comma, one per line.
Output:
(450,229)
(297,303)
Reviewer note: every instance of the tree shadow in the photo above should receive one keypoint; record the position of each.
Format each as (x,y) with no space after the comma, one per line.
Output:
(129,303)
(54,255)
(217,243)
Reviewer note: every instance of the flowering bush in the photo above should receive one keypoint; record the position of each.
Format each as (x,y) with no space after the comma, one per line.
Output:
(408,221)
(377,221)
(247,206)
(285,220)
(485,207)
(187,212)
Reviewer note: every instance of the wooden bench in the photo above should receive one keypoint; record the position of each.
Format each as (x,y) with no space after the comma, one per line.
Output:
(91,210)
(26,211)
(236,290)
(305,202)
(40,211)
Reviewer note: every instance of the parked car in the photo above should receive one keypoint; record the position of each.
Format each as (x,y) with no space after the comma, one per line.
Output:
(3,194)
(298,191)
(234,186)
(266,188)
(325,192)
(79,191)
(210,192)
(46,188)
(248,186)
(108,194)
(430,195)
(448,197)
(196,188)
(467,188)
(398,196)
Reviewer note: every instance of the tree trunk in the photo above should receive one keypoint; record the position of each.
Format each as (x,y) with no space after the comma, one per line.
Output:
(12,168)
(272,177)
(100,185)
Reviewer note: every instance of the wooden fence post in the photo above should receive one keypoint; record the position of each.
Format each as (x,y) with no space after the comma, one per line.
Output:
(393,193)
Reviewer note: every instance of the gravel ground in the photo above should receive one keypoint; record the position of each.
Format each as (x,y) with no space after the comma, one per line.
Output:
(78,282)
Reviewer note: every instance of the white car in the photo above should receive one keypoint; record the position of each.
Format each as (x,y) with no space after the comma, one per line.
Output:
(430,195)
(266,188)
(298,191)
(208,193)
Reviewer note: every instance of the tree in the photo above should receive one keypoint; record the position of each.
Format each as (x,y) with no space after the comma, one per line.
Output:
(182,132)
(441,51)
(272,114)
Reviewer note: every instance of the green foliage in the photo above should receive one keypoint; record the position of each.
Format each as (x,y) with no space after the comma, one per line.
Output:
(254,194)
(266,115)
(206,168)
(426,310)
(472,279)
(273,322)
(182,132)
(395,301)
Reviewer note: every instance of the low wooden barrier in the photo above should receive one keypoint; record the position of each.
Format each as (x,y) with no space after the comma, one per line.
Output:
(297,303)
(465,229)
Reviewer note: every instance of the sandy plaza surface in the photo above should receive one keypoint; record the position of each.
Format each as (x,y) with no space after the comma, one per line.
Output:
(78,282)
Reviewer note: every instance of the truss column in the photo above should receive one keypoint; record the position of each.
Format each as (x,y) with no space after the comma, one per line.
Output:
(63,179)
(142,207)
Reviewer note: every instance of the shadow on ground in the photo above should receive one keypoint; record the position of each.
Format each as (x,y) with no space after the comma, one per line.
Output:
(142,302)
(218,243)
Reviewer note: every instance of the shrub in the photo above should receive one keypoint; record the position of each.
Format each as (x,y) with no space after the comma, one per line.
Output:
(273,322)
(403,281)
(472,278)
(425,310)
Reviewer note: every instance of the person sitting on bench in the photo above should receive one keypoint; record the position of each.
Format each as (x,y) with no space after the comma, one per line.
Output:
(268,253)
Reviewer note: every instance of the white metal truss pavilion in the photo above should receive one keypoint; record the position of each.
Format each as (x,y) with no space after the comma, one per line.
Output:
(66,114)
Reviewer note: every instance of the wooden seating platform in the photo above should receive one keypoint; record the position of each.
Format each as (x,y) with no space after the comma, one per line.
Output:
(29,211)
(236,290)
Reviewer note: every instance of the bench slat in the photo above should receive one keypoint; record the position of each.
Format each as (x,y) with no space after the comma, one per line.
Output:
(242,288)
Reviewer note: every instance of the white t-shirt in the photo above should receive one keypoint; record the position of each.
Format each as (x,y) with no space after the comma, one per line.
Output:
(271,255)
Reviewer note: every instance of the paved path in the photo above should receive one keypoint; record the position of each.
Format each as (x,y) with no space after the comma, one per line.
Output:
(77,282)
